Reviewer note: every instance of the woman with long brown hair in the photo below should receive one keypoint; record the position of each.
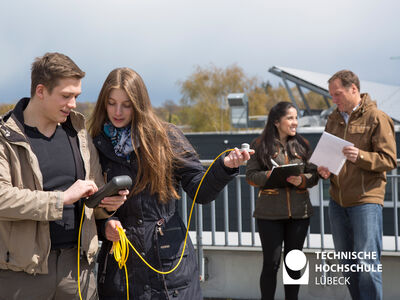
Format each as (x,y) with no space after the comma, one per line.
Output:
(133,141)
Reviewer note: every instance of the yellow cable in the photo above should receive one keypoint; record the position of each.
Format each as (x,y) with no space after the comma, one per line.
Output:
(121,249)
(121,253)
(79,254)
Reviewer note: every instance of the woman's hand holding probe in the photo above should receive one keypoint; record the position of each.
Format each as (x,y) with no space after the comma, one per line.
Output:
(236,158)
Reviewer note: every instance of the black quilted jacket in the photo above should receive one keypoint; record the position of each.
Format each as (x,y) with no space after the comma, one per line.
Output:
(142,215)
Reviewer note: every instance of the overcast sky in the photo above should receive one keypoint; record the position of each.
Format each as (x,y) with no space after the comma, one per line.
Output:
(164,40)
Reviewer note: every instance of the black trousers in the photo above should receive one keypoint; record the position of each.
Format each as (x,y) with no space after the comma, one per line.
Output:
(272,233)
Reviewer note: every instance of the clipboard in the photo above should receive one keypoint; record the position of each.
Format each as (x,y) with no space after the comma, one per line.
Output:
(278,176)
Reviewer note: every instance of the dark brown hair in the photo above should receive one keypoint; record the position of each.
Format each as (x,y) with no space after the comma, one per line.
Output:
(51,67)
(347,78)
(266,144)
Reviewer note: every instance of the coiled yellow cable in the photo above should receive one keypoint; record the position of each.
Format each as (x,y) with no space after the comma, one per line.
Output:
(121,248)
(79,250)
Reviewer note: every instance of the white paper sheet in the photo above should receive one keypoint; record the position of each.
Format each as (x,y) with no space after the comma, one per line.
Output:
(328,152)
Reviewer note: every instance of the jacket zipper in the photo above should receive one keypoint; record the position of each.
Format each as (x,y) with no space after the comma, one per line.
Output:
(288,189)
(362,182)
(344,166)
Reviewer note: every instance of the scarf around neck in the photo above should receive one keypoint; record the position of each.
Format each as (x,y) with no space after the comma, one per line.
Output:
(120,139)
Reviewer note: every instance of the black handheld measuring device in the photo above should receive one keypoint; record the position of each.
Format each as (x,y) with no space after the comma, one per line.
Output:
(112,188)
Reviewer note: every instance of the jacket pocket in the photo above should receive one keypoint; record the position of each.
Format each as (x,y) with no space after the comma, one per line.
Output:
(356,135)
(32,254)
(110,280)
(358,128)
(299,191)
(5,236)
(269,192)
(373,183)
(171,240)
(271,206)
(300,204)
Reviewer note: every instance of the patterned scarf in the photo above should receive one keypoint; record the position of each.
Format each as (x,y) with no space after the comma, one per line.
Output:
(120,139)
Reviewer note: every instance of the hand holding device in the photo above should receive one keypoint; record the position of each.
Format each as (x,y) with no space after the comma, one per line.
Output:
(238,156)
(80,189)
(246,147)
(112,188)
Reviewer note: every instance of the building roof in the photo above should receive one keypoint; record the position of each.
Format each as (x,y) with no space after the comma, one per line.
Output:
(387,97)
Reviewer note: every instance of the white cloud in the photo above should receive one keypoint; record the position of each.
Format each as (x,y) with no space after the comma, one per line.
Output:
(164,40)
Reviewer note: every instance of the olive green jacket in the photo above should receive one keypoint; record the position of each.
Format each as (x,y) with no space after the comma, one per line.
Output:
(281,203)
(372,132)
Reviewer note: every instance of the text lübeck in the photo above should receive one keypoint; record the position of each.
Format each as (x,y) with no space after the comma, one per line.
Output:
(326,280)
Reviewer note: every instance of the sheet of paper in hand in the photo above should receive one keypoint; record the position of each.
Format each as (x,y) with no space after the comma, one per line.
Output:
(328,152)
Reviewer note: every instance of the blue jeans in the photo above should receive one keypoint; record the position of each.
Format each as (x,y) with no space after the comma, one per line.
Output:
(359,229)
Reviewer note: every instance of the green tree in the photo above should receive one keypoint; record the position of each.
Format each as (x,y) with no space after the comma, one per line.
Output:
(168,111)
(85,108)
(204,107)
(317,101)
(4,108)
(204,96)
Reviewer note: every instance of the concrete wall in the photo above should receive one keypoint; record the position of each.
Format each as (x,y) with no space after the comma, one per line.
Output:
(233,272)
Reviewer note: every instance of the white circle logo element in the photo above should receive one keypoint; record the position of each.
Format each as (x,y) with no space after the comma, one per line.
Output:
(296,260)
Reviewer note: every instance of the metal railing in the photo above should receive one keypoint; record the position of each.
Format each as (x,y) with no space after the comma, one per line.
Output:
(393,186)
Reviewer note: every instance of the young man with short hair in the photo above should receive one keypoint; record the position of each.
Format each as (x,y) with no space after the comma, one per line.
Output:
(47,164)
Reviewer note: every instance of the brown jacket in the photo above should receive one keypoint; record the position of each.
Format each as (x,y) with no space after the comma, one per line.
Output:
(281,203)
(372,131)
(25,209)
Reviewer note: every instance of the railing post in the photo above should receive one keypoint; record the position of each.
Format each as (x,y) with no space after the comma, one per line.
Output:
(213,225)
(322,220)
(239,209)
(395,198)
(199,239)
(184,207)
(252,220)
(226,215)
(321,213)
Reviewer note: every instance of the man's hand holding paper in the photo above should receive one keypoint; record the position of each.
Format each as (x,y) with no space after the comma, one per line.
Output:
(351,153)
(331,153)
(324,172)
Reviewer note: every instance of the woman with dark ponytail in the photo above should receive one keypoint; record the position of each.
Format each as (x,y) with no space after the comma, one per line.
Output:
(283,214)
